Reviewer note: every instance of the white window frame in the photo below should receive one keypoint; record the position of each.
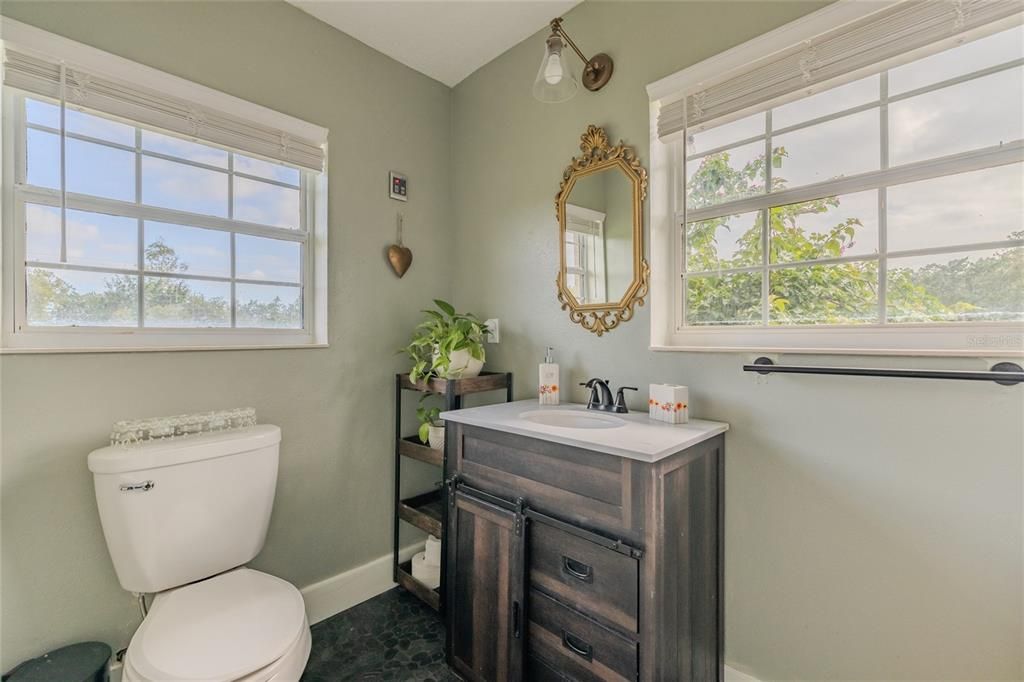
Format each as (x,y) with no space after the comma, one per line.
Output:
(18,337)
(592,260)
(668,219)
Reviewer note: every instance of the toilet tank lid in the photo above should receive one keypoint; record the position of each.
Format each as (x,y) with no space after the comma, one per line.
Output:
(115,459)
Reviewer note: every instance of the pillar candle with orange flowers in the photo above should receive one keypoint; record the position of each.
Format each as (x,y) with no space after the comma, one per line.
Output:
(669,403)
(548,387)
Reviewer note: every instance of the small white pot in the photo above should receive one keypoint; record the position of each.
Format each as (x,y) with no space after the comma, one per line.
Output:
(462,365)
(436,437)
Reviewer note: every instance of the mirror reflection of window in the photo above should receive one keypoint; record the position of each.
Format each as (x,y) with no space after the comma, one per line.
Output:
(585,272)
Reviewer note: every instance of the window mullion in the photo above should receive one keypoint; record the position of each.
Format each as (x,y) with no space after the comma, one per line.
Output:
(141,254)
(268,181)
(231,186)
(99,141)
(234,274)
(818,120)
(958,248)
(110,270)
(883,129)
(83,202)
(724,147)
(766,222)
(678,160)
(306,215)
(231,215)
(963,78)
(63,167)
(155,274)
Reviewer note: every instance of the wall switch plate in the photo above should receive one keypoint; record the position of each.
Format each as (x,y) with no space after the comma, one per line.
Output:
(494,330)
(399,186)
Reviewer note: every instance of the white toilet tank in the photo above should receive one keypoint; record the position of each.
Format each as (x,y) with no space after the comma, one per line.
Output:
(179,510)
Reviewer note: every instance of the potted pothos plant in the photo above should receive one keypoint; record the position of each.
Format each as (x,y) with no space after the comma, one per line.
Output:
(447,344)
(431,427)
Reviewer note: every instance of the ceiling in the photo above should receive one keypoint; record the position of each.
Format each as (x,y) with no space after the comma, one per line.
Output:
(444,40)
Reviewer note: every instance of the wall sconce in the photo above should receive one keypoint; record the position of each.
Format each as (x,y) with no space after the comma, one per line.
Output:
(555,80)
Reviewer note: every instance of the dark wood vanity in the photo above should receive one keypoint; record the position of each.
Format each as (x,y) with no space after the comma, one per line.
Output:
(565,563)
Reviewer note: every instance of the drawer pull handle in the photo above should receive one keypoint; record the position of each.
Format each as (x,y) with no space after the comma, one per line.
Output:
(578,569)
(516,620)
(577,645)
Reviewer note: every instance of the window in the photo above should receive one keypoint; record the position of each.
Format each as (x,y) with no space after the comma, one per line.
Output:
(127,235)
(158,232)
(884,213)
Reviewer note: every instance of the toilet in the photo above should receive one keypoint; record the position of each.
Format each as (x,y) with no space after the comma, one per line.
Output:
(181,518)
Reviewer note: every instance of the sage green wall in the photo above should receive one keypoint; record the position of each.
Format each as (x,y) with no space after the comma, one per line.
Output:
(873,526)
(333,506)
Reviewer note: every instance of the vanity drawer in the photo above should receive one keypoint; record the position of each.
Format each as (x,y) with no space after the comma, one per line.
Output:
(596,580)
(539,671)
(564,640)
(591,489)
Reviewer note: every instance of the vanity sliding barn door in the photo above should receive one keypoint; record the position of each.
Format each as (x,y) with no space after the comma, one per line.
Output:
(486,571)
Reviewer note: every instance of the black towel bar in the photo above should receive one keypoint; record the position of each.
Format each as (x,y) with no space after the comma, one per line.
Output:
(1004,373)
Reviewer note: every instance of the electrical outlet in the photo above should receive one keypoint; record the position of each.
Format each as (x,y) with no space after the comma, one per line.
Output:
(493,330)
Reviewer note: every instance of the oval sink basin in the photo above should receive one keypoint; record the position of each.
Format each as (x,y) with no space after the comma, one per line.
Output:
(572,419)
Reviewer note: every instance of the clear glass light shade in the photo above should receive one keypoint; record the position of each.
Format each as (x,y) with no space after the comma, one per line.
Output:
(555,80)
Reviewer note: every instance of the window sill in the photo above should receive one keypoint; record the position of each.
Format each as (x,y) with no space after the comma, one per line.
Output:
(158,349)
(763,350)
(978,340)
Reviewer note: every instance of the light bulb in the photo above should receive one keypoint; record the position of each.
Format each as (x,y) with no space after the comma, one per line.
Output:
(555,81)
(553,69)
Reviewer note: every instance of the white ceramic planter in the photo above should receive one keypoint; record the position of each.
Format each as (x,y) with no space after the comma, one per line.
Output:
(463,365)
(436,437)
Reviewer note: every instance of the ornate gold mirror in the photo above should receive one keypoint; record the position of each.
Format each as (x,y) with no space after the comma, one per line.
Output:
(603,275)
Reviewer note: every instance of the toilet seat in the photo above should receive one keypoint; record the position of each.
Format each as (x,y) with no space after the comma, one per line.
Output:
(242,625)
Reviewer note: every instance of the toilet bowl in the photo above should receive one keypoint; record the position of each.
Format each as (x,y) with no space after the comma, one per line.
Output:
(240,626)
(181,519)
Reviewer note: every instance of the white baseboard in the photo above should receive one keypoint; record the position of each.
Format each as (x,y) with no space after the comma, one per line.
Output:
(345,590)
(733,675)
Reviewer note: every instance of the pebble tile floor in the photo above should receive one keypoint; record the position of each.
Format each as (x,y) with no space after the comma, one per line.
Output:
(393,636)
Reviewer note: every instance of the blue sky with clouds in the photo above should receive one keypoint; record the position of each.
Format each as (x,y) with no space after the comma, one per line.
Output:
(100,240)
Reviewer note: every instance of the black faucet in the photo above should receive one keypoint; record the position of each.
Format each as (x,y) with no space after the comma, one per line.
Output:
(601,396)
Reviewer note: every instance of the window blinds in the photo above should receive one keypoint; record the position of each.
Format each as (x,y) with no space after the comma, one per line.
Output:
(582,225)
(42,76)
(846,51)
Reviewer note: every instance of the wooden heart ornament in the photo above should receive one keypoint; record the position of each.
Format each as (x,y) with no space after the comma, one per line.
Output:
(400,258)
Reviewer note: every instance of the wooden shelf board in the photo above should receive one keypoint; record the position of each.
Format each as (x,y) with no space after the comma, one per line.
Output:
(487,381)
(432,597)
(412,447)
(423,511)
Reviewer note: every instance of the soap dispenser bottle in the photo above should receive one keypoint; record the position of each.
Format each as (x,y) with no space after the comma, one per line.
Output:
(548,385)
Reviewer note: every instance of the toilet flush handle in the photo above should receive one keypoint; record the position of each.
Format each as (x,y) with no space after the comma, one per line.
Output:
(143,487)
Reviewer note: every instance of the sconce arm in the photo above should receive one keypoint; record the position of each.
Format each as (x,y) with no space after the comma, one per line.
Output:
(556,28)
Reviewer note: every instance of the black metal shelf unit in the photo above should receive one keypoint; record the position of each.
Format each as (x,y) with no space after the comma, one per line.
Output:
(428,511)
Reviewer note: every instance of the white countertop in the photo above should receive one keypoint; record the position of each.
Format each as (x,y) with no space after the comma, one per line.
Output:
(639,437)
